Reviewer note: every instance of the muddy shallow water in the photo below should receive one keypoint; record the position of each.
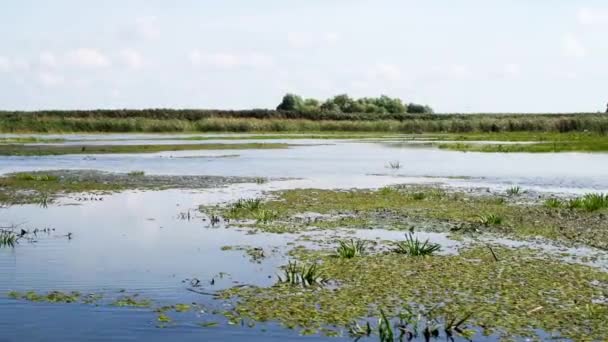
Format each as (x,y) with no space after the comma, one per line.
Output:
(153,243)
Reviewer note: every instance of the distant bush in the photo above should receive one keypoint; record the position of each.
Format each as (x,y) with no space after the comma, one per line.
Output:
(344,104)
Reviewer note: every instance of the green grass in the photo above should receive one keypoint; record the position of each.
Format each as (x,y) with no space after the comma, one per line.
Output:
(414,247)
(43,150)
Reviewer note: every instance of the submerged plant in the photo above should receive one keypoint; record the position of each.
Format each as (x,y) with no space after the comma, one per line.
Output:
(489,219)
(414,247)
(304,275)
(351,248)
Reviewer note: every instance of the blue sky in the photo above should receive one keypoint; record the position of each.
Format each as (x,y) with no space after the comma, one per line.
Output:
(457,56)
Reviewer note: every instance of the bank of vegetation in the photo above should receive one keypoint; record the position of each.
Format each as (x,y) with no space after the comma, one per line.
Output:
(294,114)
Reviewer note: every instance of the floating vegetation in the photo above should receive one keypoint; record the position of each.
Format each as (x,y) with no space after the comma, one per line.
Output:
(351,248)
(302,275)
(265,215)
(208,324)
(414,247)
(50,297)
(523,295)
(35,177)
(136,174)
(395,165)
(514,191)
(132,301)
(8,238)
(489,219)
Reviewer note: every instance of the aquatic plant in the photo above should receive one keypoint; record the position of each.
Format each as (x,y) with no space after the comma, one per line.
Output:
(387,190)
(385,329)
(304,275)
(136,174)
(553,203)
(261,180)
(351,248)
(395,165)
(249,204)
(589,202)
(132,301)
(265,215)
(414,247)
(8,238)
(50,297)
(418,196)
(43,200)
(24,176)
(514,191)
(489,219)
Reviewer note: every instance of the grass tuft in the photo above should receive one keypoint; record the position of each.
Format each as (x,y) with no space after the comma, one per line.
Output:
(351,248)
(489,219)
(414,247)
(304,275)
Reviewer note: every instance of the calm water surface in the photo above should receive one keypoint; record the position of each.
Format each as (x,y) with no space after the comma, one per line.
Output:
(139,243)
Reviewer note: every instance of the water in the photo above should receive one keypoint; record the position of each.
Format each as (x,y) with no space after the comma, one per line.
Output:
(138,242)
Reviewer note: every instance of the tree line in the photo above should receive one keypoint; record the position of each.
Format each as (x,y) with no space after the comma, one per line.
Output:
(345,104)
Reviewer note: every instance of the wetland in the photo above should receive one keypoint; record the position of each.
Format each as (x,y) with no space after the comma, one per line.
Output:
(316,236)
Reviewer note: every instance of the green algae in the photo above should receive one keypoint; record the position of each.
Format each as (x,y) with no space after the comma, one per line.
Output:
(522,292)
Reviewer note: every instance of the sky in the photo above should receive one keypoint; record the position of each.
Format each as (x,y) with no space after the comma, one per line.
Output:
(456,56)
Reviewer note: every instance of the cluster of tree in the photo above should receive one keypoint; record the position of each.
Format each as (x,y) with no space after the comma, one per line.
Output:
(345,104)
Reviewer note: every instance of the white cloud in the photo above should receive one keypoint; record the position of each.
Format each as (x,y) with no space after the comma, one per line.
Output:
(303,40)
(511,70)
(386,72)
(5,64)
(48,60)
(87,58)
(573,47)
(147,27)
(131,58)
(224,60)
(592,16)
(48,79)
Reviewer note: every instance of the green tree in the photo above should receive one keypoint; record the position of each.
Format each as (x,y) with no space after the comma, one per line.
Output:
(291,102)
